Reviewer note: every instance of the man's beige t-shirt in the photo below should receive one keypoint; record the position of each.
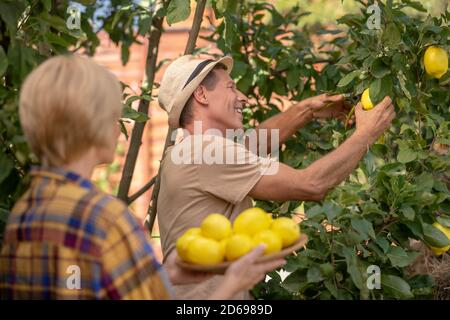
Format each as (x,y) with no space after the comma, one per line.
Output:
(205,174)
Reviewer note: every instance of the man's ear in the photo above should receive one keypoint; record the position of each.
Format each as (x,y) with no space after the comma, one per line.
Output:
(199,95)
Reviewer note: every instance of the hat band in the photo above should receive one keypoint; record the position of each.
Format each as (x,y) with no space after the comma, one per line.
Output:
(197,71)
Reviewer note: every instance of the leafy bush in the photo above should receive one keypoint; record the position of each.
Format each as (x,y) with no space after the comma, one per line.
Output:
(397,191)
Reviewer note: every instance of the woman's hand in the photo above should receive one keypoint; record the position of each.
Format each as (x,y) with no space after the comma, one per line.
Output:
(245,273)
(178,275)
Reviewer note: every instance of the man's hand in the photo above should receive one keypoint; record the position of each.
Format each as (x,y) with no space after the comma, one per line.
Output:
(178,275)
(327,106)
(372,123)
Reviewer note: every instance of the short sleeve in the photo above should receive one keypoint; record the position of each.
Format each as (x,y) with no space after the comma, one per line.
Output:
(130,269)
(233,178)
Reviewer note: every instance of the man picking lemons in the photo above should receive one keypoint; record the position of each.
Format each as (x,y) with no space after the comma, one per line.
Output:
(201,98)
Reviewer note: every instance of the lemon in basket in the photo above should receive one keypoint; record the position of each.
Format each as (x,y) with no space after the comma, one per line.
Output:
(252,221)
(287,229)
(270,239)
(204,251)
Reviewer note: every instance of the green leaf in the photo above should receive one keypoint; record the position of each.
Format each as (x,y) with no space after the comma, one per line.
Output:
(391,35)
(326,269)
(382,243)
(3,62)
(364,228)
(408,212)
(348,78)
(313,275)
(379,69)
(6,165)
(21,61)
(4,215)
(380,88)
(292,78)
(178,10)
(132,114)
(55,39)
(395,287)
(416,5)
(434,237)
(314,211)
(406,155)
(331,211)
(400,258)
(332,288)
(47,4)
(424,182)
(353,268)
(445,221)
(10,12)
(123,129)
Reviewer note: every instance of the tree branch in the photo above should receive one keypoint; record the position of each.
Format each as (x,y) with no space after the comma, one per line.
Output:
(138,129)
(141,191)
(190,46)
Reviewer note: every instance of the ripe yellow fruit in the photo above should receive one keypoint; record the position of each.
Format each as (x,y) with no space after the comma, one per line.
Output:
(365,100)
(204,251)
(381,139)
(435,61)
(194,231)
(237,246)
(287,230)
(270,239)
(269,216)
(251,221)
(446,231)
(223,245)
(216,226)
(183,242)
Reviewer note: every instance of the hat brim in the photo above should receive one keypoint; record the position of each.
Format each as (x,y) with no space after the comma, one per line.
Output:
(180,101)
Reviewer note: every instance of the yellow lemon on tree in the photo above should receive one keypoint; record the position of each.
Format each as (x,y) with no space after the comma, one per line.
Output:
(286,229)
(381,139)
(194,231)
(216,226)
(251,221)
(365,100)
(237,246)
(435,61)
(183,242)
(270,239)
(446,231)
(204,251)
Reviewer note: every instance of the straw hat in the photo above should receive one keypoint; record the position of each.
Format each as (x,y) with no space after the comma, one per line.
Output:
(181,79)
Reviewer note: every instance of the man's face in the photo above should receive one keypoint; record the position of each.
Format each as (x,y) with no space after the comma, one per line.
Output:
(225,102)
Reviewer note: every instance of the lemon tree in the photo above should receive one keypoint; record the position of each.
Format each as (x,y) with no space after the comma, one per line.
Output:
(400,188)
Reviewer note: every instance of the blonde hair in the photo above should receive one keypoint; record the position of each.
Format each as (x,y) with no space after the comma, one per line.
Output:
(68,105)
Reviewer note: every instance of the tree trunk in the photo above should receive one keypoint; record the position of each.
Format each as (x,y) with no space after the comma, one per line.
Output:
(190,46)
(138,129)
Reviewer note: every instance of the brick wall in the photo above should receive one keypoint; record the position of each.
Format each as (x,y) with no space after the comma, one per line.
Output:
(172,45)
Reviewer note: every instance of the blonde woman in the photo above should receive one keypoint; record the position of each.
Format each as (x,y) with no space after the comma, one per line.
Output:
(65,239)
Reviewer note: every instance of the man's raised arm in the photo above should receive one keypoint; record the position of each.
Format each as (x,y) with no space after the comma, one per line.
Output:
(299,115)
(313,182)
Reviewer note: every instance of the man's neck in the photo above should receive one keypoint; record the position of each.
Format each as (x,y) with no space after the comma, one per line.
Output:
(204,127)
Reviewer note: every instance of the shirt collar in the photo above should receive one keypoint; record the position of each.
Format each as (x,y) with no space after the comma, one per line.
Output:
(61,175)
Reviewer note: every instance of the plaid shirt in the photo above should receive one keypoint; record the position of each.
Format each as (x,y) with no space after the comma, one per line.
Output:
(67,240)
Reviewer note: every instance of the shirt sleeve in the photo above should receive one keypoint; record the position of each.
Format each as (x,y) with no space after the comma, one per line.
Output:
(130,268)
(235,177)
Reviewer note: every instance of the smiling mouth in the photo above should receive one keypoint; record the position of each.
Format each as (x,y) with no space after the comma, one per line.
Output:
(238,109)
